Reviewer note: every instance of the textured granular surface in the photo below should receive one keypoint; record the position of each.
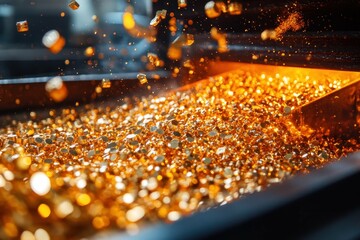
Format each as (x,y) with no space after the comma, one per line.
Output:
(158,158)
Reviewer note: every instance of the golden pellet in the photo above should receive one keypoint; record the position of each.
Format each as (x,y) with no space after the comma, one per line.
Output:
(89,51)
(155,60)
(161,14)
(268,34)
(175,49)
(22,26)
(182,3)
(106,83)
(220,38)
(214,9)
(234,8)
(56,89)
(74,5)
(142,78)
(53,41)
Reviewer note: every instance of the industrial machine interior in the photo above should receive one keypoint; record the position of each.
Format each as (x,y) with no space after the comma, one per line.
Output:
(165,119)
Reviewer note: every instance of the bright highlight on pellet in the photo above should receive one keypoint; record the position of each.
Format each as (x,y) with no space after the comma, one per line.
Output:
(40,183)
(53,41)
(56,89)
(22,26)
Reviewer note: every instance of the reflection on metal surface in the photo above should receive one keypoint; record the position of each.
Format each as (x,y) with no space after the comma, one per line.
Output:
(336,114)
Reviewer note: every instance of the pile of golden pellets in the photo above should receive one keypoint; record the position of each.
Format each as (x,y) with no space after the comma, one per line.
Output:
(158,158)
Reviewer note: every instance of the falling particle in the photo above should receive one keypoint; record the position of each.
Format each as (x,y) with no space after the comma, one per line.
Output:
(161,14)
(268,34)
(188,64)
(41,234)
(56,89)
(220,38)
(98,89)
(135,214)
(172,25)
(53,41)
(95,18)
(175,49)
(22,26)
(234,8)
(62,14)
(40,183)
(189,39)
(136,30)
(182,3)
(214,9)
(142,78)
(154,60)
(89,51)
(106,83)
(44,210)
(293,22)
(74,5)
(128,21)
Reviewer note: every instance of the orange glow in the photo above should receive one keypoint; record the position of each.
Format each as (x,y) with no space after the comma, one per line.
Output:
(58,46)
(128,19)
